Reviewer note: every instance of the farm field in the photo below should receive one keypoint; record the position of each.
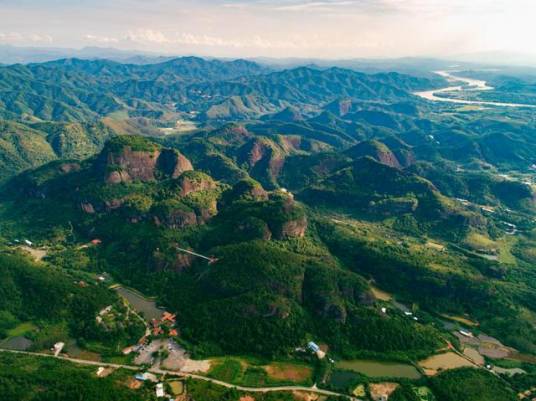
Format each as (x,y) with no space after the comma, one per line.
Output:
(449,360)
(380,368)
(252,373)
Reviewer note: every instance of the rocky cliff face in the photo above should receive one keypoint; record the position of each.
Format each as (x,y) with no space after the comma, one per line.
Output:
(195,183)
(294,228)
(256,152)
(172,164)
(177,219)
(178,263)
(294,224)
(194,201)
(127,164)
(376,150)
(388,158)
(264,159)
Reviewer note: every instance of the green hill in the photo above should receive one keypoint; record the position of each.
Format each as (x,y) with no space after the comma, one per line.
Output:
(24,146)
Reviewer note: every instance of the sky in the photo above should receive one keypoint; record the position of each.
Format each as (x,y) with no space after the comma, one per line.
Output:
(275,28)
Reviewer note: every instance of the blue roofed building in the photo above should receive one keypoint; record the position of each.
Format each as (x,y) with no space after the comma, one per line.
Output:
(313,346)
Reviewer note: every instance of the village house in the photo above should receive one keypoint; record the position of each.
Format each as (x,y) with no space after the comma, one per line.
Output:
(160,390)
(466,333)
(146,376)
(57,348)
(313,347)
(168,317)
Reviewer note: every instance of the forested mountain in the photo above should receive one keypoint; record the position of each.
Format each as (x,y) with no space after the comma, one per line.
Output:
(73,90)
(26,145)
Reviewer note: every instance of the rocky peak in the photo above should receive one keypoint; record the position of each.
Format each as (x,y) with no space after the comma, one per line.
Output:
(172,164)
(132,158)
(256,152)
(294,228)
(375,149)
(289,114)
(247,189)
(293,223)
(195,181)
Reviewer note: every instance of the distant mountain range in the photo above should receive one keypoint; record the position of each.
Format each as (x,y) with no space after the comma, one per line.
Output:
(88,100)
(75,89)
(24,55)
(14,54)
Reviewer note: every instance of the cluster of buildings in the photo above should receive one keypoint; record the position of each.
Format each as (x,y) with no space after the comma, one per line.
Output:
(167,324)
(160,391)
(410,315)
(25,242)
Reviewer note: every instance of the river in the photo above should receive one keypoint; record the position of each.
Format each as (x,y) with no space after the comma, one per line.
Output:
(469,85)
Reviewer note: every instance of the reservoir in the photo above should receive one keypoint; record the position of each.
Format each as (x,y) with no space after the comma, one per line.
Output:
(140,303)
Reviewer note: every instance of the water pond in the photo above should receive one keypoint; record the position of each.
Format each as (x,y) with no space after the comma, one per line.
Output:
(140,303)
(19,343)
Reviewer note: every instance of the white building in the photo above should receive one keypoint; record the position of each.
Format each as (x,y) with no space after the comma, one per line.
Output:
(466,333)
(160,390)
(57,348)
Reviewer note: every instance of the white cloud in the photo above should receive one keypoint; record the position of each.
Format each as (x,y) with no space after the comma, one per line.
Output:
(148,36)
(100,39)
(24,38)
(295,42)
(151,36)
(284,28)
(314,6)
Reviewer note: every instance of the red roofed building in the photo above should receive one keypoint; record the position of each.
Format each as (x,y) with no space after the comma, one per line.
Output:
(168,317)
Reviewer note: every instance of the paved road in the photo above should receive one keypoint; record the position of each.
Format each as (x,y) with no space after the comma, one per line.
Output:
(190,375)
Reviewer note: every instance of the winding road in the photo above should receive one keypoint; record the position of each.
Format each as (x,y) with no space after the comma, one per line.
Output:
(470,85)
(187,375)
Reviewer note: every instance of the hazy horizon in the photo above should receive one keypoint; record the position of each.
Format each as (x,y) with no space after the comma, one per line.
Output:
(324,29)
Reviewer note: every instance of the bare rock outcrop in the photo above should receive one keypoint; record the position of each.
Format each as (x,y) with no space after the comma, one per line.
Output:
(195,183)
(124,163)
(294,228)
(177,219)
(376,150)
